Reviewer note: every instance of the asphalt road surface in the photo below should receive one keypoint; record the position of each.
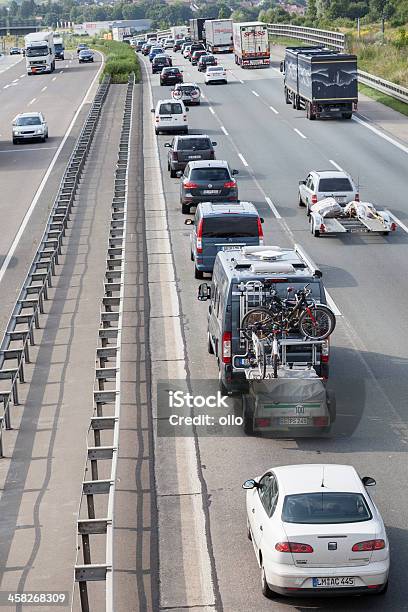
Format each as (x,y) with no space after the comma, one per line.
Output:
(274,147)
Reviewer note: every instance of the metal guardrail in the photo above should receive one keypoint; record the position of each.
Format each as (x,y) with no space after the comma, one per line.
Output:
(391,89)
(25,317)
(312,35)
(103,433)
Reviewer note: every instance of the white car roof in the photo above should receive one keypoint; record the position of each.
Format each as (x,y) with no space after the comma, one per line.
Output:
(32,114)
(307,478)
(202,163)
(168,100)
(189,84)
(330,173)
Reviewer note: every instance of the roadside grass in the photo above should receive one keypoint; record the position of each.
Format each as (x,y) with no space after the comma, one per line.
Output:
(378,96)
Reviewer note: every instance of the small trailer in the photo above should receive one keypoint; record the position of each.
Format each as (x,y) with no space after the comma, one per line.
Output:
(328,218)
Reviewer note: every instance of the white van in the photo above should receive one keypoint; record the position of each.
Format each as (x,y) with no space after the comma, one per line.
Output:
(170,116)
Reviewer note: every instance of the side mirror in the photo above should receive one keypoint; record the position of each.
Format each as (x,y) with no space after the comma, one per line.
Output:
(262,220)
(187,109)
(234,172)
(368,481)
(302,182)
(282,67)
(214,144)
(204,292)
(152,110)
(179,173)
(189,222)
(167,144)
(250,484)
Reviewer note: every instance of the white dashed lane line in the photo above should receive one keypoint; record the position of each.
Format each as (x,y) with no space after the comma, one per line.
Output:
(333,163)
(224,130)
(32,101)
(53,79)
(255,93)
(244,161)
(44,88)
(274,110)
(300,133)
(273,208)
(211,110)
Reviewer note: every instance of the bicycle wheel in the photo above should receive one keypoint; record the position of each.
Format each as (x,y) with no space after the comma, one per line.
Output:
(258,320)
(317,323)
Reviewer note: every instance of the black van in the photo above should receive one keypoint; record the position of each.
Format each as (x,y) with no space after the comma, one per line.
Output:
(242,280)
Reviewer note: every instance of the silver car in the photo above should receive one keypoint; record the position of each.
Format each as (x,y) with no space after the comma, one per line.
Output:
(320,184)
(29,126)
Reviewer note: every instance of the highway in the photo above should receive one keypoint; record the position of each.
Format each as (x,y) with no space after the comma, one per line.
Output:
(274,147)
(31,171)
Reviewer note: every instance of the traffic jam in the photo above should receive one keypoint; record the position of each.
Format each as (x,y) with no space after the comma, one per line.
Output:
(314,527)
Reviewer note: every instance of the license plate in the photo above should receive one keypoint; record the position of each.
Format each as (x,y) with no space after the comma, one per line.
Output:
(231,248)
(210,191)
(194,156)
(166,118)
(293,421)
(334,109)
(334,582)
(340,199)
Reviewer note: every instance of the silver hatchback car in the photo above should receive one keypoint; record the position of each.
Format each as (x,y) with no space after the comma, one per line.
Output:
(29,126)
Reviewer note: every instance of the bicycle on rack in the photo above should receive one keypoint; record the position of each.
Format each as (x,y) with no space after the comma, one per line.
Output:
(314,321)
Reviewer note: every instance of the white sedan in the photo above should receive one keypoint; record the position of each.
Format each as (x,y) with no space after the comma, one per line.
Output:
(315,530)
(215,74)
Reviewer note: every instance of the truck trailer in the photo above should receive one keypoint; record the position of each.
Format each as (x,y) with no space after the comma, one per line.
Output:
(39,52)
(179,31)
(197,30)
(251,44)
(59,48)
(321,81)
(219,36)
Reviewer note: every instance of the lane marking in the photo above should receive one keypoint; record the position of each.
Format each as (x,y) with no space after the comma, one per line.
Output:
(61,71)
(399,223)
(44,88)
(211,110)
(25,149)
(333,163)
(15,81)
(31,102)
(332,305)
(6,86)
(274,110)
(22,76)
(241,81)
(255,93)
(53,79)
(27,216)
(273,207)
(300,133)
(224,130)
(397,144)
(244,161)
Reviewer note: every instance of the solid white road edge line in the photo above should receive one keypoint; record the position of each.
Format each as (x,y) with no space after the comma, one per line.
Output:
(332,305)
(224,130)
(300,133)
(367,125)
(211,110)
(46,176)
(273,208)
(333,163)
(244,161)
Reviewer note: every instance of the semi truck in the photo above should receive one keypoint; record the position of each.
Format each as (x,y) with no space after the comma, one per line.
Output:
(59,48)
(218,35)
(251,44)
(39,52)
(197,30)
(321,81)
(179,31)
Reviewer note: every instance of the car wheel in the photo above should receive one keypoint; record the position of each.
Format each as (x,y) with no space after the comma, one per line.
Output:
(15,141)
(300,201)
(266,591)
(209,344)
(173,173)
(43,139)
(185,131)
(316,233)
(248,416)
(385,233)
(157,131)
(347,115)
(221,387)
(198,273)
(185,209)
(249,535)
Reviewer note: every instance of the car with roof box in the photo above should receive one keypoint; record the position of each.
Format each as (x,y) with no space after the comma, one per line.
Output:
(183,149)
(246,279)
(222,227)
(207,181)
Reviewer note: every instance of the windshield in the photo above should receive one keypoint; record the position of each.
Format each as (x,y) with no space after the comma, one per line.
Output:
(335,184)
(230,226)
(59,46)
(37,51)
(325,508)
(210,174)
(28,121)
(194,144)
(170,108)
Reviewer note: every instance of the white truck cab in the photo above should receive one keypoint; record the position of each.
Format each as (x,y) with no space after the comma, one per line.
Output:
(39,52)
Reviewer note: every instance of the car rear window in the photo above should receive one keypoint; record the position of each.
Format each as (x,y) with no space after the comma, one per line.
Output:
(170,108)
(171,71)
(325,508)
(194,144)
(231,226)
(210,174)
(335,184)
(188,88)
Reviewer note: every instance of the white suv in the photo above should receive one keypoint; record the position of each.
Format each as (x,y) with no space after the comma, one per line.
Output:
(170,116)
(324,184)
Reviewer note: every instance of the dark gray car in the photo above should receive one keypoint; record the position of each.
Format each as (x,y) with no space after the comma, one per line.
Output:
(207,181)
(183,149)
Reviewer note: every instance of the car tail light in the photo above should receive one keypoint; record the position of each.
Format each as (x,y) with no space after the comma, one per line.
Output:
(293,547)
(325,351)
(357,197)
(314,199)
(189,185)
(199,242)
(320,421)
(230,185)
(226,347)
(261,422)
(368,545)
(260,231)
(322,228)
